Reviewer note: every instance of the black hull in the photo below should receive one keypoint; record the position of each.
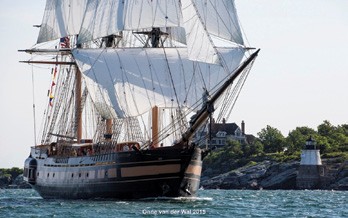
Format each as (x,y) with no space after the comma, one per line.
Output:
(168,172)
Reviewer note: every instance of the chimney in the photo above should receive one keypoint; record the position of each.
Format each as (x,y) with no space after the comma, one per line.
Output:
(243,127)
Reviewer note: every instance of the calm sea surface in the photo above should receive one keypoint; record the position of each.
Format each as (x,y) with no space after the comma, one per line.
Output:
(210,203)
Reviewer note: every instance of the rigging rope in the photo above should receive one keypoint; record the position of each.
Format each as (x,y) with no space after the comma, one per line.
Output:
(231,97)
(34,113)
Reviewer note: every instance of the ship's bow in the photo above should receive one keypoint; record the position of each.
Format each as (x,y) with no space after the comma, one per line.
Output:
(190,183)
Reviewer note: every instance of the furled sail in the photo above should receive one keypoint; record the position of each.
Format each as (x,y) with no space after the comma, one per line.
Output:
(61,18)
(130,82)
(103,18)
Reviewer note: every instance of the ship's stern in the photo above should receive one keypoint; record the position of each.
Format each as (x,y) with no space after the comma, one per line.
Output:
(30,168)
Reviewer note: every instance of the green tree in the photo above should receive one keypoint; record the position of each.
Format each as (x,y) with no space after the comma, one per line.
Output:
(296,139)
(272,139)
(323,144)
(326,128)
(336,137)
(256,148)
(343,131)
(235,148)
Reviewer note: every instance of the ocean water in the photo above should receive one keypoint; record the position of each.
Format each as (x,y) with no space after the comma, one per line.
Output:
(210,203)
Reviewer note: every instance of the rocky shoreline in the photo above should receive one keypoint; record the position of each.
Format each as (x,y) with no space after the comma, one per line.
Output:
(273,175)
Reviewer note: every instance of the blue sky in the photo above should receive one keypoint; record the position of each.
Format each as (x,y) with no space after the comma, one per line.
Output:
(299,79)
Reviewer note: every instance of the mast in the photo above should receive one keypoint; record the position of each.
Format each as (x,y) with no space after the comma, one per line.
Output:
(108,134)
(198,119)
(78,112)
(155,127)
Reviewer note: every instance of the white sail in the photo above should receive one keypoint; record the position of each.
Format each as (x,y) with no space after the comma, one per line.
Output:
(103,18)
(220,19)
(135,80)
(204,23)
(141,14)
(101,99)
(199,45)
(61,18)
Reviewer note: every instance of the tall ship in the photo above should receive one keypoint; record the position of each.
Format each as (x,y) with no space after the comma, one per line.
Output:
(133,83)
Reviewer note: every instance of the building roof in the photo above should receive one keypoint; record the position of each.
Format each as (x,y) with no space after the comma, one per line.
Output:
(250,139)
(229,128)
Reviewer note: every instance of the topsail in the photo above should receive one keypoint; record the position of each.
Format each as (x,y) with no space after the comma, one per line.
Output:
(62,18)
(103,18)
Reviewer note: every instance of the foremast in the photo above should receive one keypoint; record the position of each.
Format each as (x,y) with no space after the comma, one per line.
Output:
(208,107)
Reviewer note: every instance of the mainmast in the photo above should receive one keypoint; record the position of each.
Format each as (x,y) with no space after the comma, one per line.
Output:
(78,105)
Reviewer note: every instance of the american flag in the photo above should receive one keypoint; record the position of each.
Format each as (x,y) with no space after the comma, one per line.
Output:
(65,42)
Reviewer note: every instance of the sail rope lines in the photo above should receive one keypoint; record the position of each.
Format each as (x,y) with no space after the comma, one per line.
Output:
(62,103)
(51,109)
(56,109)
(231,95)
(229,98)
(66,98)
(232,98)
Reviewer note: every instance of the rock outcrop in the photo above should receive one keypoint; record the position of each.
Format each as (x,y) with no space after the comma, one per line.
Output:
(12,178)
(341,178)
(269,175)
(20,183)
